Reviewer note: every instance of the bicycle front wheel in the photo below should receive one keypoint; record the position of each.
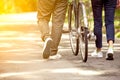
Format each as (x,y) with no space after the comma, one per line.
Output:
(73,35)
(83,32)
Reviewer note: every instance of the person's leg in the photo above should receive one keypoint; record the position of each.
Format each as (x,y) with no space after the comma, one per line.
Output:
(58,18)
(109,6)
(45,9)
(97,6)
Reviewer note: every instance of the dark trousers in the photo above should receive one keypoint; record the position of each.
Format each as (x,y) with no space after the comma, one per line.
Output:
(109,10)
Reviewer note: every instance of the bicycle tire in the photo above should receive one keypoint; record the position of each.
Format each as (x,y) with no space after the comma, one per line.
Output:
(83,32)
(73,35)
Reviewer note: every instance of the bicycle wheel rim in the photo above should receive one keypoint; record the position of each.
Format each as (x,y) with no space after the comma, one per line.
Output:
(83,33)
(74,40)
(84,46)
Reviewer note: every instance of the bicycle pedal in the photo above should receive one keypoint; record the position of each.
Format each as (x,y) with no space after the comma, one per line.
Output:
(91,37)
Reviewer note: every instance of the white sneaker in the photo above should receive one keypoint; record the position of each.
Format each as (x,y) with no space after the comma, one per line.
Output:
(109,54)
(46,49)
(57,56)
(97,54)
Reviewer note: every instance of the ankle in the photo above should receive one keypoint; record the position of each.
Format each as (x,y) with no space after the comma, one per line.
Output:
(110,47)
(110,44)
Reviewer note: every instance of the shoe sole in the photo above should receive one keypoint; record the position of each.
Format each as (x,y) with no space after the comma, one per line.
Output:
(46,51)
(110,56)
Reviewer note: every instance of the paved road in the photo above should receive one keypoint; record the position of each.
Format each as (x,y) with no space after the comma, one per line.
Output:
(21,58)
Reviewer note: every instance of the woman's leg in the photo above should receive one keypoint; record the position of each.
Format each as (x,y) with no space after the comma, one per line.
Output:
(97,13)
(109,7)
(97,6)
(58,19)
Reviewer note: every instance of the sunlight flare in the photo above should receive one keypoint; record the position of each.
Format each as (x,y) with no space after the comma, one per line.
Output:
(77,71)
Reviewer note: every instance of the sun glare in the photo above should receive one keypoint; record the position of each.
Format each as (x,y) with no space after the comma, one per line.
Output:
(77,71)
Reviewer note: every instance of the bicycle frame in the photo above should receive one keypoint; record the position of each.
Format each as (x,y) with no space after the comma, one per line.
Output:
(75,7)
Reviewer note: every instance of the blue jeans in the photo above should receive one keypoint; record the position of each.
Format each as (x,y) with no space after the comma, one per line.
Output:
(109,10)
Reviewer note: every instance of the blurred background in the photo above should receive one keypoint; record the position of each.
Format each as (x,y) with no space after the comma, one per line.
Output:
(23,6)
(17,6)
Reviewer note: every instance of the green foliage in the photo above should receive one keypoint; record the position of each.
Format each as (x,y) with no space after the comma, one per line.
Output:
(117,35)
(117,23)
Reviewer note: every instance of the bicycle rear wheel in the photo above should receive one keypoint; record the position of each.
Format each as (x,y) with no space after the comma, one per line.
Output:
(73,35)
(83,32)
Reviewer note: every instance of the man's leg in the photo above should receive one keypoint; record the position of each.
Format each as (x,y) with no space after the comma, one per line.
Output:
(45,9)
(58,18)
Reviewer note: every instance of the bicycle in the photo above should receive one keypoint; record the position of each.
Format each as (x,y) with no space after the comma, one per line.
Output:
(78,28)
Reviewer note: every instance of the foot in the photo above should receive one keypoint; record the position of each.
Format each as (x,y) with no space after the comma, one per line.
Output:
(46,49)
(57,56)
(109,54)
(97,54)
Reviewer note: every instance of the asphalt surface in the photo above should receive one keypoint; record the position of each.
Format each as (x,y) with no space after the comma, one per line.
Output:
(21,57)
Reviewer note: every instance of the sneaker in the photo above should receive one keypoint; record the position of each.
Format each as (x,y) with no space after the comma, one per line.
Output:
(109,54)
(97,54)
(46,49)
(57,56)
